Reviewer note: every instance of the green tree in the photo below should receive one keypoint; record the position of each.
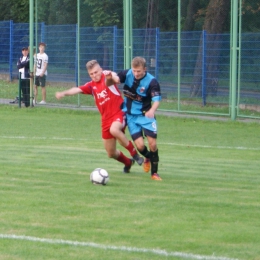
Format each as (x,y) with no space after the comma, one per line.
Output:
(192,10)
(57,12)
(105,13)
(250,16)
(216,17)
(18,11)
(109,13)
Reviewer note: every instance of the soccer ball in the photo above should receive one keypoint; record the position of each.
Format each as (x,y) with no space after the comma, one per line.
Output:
(99,176)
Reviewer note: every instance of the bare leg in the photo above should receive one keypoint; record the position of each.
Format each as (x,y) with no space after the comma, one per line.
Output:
(112,152)
(139,143)
(35,93)
(152,144)
(116,131)
(110,146)
(44,94)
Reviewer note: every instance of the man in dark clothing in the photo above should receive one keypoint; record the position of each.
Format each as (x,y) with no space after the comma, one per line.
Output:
(23,67)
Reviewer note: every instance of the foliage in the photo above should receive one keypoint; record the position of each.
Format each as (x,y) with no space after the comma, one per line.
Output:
(105,13)
(57,12)
(250,14)
(18,11)
(109,13)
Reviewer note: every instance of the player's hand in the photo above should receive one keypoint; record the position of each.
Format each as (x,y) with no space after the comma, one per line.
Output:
(108,74)
(59,95)
(149,114)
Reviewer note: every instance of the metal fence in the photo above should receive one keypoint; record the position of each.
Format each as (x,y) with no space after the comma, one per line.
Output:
(106,44)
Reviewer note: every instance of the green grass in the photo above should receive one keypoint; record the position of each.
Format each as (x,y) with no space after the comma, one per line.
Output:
(207,204)
(9,90)
(215,105)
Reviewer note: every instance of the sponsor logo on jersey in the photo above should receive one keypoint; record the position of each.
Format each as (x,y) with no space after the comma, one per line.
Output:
(155,94)
(142,89)
(102,94)
(129,94)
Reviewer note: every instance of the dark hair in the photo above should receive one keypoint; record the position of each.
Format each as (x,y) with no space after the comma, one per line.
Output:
(42,43)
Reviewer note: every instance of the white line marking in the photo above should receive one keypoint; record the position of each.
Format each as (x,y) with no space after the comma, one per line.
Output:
(173,144)
(118,248)
(215,147)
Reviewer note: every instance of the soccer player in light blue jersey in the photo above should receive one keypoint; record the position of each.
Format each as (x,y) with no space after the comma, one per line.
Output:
(142,96)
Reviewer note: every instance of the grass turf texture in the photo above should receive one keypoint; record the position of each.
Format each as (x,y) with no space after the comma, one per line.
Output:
(207,204)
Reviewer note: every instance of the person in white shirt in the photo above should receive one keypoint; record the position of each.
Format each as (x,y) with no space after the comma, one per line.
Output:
(23,66)
(40,69)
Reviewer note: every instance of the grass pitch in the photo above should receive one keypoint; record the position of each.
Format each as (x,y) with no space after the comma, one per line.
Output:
(206,207)
(9,90)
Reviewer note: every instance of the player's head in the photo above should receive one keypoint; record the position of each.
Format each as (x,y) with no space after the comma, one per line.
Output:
(94,70)
(42,46)
(138,67)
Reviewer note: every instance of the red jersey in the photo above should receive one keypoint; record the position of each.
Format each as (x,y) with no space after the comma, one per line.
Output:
(108,99)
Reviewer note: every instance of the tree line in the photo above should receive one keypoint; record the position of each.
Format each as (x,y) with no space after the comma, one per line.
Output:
(212,16)
(195,14)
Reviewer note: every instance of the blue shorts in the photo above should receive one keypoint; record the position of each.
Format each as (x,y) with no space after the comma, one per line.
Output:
(139,125)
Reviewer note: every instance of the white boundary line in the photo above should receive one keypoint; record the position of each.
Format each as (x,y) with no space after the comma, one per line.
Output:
(118,248)
(215,147)
(173,144)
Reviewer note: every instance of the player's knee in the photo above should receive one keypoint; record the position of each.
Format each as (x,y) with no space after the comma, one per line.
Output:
(153,147)
(111,154)
(152,144)
(139,142)
(140,148)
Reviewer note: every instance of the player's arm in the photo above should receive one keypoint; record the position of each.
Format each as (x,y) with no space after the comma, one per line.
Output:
(155,98)
(34,66)
(27,64)
(45,65)
(69,92)
(151,112)
(19,64)
(111,77)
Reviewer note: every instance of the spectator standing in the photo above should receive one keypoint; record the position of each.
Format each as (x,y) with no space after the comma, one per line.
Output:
(40,69)
(23,66)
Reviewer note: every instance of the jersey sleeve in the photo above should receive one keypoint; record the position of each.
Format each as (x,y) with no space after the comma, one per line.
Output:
(155,90)
(87,89)
(122,76)
(46,58)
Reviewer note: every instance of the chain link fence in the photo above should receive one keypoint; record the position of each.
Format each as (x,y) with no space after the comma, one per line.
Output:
(204,68)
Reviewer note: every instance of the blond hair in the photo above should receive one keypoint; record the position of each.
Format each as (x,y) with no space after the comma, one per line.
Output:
(138,61)
(90,64)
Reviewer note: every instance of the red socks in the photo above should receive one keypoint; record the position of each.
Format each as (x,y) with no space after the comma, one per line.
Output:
(123,159)
(131,149)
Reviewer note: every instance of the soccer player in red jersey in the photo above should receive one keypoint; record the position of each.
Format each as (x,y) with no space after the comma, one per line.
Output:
(109,101)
